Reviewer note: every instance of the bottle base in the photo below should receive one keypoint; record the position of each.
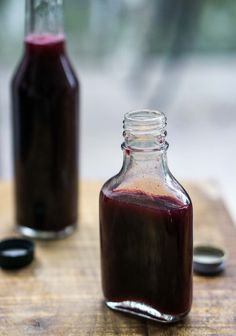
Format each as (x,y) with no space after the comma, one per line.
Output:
(46,235)
(143,310)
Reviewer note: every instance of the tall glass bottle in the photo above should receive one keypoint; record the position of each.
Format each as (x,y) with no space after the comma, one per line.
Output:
(146,227)
(45,93)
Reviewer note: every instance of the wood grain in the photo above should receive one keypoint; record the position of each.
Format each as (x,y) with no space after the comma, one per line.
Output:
(60,294)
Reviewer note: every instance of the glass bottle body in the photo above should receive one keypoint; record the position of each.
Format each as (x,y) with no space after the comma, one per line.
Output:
(45,94)
(146,239)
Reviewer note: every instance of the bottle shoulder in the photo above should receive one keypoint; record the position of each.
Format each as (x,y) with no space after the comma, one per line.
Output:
(69,71)
(153,186)
(19,71)
(43,74)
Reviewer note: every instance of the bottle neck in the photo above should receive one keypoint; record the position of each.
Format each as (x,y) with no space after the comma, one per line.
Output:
(44,17)
(145,131)
(145,143)
(145,163)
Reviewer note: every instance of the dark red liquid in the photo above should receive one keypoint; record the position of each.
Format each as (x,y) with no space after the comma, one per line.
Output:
(146,250)
(45,131)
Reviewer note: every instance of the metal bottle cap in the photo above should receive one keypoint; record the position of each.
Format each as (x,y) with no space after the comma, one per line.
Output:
(208,260)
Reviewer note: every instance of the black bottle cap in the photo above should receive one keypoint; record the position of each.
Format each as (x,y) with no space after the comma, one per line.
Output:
(16,253)
(208,260)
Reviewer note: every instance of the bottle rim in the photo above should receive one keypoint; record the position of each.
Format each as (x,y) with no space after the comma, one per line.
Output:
(137,120)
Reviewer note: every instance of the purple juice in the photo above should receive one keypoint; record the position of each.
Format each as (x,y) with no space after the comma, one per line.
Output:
(146,250)
(45,134)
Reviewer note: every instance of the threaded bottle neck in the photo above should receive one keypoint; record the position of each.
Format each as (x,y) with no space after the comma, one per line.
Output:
(145,130)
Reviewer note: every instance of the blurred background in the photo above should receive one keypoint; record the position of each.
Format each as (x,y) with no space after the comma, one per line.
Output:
(178,56)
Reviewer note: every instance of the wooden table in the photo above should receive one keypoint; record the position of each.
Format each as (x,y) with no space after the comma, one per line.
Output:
(60,293)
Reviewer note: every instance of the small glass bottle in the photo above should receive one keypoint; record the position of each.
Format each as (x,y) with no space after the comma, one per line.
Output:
(45,95)
(146,227)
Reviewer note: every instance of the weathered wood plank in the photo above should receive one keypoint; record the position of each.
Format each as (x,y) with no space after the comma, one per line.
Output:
(60,294)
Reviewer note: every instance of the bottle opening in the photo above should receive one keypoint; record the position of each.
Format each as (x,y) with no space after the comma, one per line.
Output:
(145,130)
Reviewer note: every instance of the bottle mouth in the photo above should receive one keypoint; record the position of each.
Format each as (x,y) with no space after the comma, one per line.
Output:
(144,121)
(145,130)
